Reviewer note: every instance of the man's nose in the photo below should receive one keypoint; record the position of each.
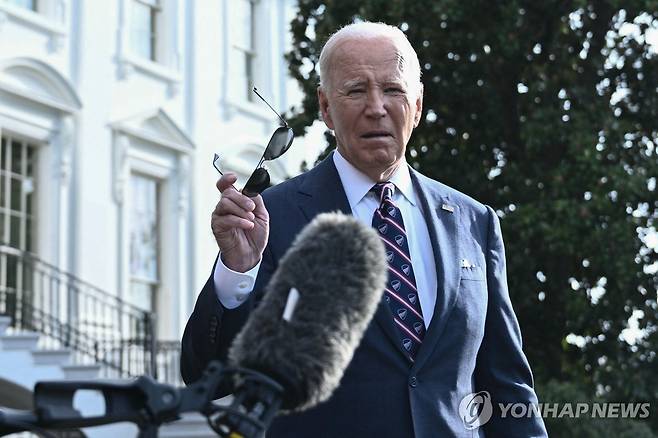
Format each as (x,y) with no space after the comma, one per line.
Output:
(375,104)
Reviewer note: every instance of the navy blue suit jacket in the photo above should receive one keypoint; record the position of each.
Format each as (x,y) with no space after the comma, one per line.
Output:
(472,344)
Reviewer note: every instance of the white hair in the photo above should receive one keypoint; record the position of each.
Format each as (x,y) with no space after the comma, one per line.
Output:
(368,30)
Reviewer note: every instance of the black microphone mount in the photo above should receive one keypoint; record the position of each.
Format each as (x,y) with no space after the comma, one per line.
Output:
(149,404)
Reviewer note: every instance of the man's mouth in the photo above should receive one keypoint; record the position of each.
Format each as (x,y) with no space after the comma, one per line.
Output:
(376,134)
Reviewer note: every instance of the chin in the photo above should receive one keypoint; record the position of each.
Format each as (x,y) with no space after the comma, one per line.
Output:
(379,162)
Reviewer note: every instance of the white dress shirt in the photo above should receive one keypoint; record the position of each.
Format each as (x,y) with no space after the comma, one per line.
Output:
(233,287)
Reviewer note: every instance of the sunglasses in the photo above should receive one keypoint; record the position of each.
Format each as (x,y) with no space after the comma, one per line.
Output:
(278,145)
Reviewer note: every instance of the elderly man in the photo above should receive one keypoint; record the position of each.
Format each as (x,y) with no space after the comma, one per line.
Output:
(446,328)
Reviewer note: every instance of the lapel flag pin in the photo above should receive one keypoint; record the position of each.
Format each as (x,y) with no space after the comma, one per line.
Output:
(448,208)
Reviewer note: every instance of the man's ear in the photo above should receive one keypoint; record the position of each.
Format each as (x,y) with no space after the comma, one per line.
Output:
(419,106)
(323,102)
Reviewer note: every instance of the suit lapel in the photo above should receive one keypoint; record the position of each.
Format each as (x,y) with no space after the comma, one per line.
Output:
(321,192)
(442,218)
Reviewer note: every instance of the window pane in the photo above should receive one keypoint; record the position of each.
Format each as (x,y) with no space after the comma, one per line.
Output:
(249,75)
(27,4)
(3,240)
(3,198)
(28,235)
(144,240)
(16,161)
(31,160)
(238,73)
(14,231)
(28,188)
(15,195)
(144,228)
(142,30)
(12,267)
(242,29)
(242,26)
(142,295)
(3,159)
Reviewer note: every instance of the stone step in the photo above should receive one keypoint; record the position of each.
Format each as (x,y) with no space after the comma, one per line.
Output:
(51,357)
(4,323)
(19,341)
(81,372)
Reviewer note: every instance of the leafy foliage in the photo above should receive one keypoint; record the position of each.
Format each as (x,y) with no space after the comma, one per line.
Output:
(564,420)
(548,112)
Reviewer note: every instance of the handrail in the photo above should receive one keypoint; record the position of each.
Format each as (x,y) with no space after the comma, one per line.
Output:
(97,326)
(9,250)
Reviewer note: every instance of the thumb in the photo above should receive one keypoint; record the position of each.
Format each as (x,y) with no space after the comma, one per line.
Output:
(226,181)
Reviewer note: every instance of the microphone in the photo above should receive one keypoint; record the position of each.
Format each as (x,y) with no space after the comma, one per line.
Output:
(315,310)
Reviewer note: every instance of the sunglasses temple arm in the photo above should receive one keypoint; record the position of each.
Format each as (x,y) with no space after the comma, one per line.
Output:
(255,90)
(222,174)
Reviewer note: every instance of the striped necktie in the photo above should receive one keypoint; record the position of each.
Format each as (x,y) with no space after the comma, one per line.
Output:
(401,291)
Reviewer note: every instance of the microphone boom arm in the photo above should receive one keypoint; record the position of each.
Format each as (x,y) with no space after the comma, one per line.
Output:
(149,404)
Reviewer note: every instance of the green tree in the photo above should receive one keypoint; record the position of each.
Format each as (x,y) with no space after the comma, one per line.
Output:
(548,112)
(564,424)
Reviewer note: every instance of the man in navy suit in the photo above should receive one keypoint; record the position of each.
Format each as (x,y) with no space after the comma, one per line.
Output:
(468,341)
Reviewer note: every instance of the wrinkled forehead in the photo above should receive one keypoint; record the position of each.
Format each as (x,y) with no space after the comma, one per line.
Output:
(379,55)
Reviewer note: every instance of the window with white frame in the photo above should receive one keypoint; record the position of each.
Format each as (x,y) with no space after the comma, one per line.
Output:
(144,241)
(46,16)
(17,172)
(243,50)
(52,9)
(145,28)
(30,5)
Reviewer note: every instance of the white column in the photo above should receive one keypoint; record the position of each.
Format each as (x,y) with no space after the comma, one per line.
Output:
(121,176)
(121,171)
(62,141)
(183,243)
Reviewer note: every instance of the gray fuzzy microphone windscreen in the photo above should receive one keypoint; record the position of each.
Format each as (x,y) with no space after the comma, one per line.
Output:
(338,266)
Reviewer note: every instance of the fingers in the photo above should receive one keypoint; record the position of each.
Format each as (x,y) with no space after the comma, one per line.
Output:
(226,181)
(259,205)
(228,191)
(234,210)
(232,204)
(223,223)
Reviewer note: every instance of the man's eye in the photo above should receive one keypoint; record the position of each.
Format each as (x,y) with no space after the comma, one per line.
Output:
(394,90)
(356,91)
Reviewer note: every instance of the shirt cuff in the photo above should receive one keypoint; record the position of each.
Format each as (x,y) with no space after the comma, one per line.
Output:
(232,287)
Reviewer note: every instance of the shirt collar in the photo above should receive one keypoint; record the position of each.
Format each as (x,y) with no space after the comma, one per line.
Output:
(357,184)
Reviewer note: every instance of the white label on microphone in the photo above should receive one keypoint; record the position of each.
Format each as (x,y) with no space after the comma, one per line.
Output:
(291,303)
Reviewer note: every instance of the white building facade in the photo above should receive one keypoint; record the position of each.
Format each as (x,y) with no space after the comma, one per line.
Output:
(110,112)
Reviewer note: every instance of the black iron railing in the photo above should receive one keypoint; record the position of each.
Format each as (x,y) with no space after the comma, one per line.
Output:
(96,326)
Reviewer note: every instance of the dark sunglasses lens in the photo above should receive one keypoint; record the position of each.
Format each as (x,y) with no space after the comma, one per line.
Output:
(279,143)
(258,181)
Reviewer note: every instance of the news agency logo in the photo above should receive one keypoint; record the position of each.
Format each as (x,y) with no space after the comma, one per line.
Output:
(475,409)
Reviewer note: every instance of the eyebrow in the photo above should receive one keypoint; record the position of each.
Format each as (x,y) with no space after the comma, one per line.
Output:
(354,83)
(360,82)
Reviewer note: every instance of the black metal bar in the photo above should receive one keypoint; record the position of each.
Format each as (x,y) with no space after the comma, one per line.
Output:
(69,312)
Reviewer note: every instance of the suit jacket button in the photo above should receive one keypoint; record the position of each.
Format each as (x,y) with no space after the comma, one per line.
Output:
(213,329)
(413,381)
